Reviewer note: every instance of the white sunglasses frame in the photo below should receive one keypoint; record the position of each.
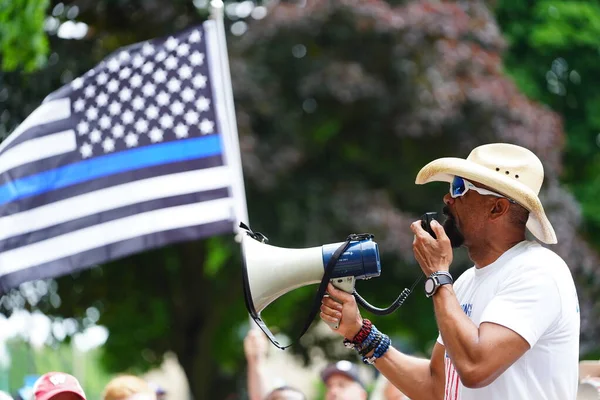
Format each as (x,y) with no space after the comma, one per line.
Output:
(481,191)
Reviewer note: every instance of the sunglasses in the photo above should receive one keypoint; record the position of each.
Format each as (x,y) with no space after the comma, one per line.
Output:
(460,186)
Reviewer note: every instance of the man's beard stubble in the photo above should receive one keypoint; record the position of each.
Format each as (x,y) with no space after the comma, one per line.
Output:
(456,237)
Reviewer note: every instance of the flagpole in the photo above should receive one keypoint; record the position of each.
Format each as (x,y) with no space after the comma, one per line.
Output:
(234,156)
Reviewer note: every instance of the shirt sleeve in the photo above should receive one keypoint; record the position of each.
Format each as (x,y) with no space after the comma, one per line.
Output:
(527,302)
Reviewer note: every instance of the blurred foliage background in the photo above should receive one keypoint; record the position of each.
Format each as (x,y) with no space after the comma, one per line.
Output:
(339,104)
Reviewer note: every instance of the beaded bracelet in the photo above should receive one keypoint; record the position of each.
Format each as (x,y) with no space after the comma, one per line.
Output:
(381,349)
(360,337)
(369,339)
(368,342)
(371,346)
(365,338)
(363,333)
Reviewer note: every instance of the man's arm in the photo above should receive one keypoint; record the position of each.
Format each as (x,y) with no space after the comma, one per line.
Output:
(481,354)
(415,377)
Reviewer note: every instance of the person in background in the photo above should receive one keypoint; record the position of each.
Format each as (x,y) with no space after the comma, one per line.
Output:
(255,349)
(342,382)
(128,387)
(57,386)
(587,391)
(341,379)
(391,392)
(285,393)
(385,390)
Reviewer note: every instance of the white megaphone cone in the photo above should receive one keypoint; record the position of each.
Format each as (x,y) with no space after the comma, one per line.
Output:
(274,271)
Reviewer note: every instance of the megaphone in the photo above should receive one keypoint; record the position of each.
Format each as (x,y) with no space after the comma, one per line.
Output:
(269,272)
(274,271)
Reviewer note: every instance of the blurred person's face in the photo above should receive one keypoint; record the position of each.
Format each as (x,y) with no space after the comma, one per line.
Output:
(142,396)
(285,395)
(391,392)
(65,396)
(340,387)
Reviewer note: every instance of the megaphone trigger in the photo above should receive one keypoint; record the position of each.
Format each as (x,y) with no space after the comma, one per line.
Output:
(347,285)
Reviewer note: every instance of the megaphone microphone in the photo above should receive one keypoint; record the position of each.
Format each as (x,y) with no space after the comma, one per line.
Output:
(269,272)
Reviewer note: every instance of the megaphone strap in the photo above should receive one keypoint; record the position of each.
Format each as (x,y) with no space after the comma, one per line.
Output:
(324,282)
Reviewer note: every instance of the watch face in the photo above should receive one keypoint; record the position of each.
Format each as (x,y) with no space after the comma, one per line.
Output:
(429,285)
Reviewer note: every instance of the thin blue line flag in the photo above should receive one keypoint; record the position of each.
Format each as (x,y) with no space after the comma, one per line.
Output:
(125,158)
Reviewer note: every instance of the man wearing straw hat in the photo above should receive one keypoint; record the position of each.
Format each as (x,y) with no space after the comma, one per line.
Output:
(509,326)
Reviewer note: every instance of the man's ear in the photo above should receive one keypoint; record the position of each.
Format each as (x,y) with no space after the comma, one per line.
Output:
(499,208)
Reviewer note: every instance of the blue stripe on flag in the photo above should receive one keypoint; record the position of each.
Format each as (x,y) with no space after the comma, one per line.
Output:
(30,202)
(110,164)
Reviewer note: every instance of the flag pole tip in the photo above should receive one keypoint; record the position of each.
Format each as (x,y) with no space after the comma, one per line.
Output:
(217,3)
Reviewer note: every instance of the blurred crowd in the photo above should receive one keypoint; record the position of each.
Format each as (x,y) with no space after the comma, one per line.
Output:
(342,380)
(63,386)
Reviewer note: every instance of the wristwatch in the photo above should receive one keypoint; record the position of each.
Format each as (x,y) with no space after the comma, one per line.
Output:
(436,280)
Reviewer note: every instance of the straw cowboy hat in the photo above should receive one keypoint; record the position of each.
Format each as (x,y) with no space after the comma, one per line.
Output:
(508,169)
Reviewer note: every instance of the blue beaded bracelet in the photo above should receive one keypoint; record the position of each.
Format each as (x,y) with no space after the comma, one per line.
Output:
(381,349)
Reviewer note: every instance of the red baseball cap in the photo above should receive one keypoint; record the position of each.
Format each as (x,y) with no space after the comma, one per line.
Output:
(53,383)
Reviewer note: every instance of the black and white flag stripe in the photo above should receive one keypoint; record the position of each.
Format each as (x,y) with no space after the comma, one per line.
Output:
(125,158)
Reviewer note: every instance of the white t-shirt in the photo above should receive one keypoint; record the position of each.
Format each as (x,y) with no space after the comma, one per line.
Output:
(530,290)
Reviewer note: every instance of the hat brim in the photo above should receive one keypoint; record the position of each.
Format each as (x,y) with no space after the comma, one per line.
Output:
(444,170)
(49,395)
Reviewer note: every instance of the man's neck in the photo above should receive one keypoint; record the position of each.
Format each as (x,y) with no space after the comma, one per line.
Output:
(489,251)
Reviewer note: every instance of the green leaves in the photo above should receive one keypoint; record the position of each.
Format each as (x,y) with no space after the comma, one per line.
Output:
(23,42)
(553,57)
(326,130)
(565,24)
(217,256)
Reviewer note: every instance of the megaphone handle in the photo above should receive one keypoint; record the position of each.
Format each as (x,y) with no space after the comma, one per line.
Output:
(347,285)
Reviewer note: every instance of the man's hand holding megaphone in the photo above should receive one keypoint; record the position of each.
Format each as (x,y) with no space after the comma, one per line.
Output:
(433,255)
(345,313)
